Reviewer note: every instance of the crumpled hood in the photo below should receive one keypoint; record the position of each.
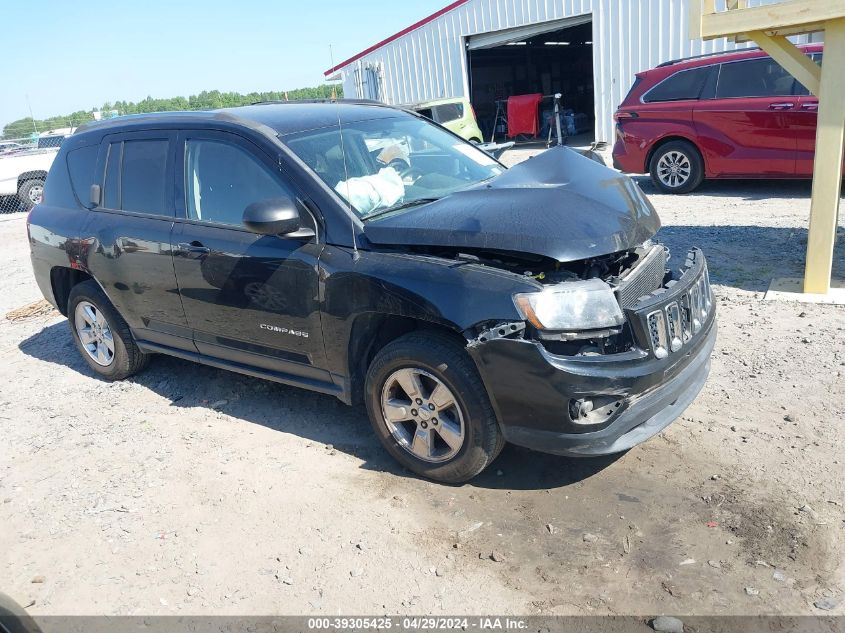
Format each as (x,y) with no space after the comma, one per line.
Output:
(558,204)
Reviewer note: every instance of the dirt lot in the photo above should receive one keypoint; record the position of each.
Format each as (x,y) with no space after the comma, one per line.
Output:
(195,491)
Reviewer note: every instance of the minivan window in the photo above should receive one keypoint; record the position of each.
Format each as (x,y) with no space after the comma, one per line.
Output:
(801,89)
(685,85)
(221,180)
(144,172)
(449,112)
(762,77)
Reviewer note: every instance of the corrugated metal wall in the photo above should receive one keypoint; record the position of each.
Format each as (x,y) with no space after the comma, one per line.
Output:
(628,36)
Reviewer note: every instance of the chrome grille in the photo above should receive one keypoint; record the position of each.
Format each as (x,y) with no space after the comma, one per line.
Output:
(686,318)
(676,335)
(644,279)
(657,332)
(672,323)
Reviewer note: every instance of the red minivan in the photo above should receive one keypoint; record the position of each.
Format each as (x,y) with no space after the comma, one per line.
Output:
(729,115)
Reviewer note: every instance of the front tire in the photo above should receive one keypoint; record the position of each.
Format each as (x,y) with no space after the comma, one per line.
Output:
(101,335)
(676,167)
(430,410)
(31,192)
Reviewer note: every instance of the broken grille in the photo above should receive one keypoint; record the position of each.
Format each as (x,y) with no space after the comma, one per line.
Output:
(675,314)
(644,279)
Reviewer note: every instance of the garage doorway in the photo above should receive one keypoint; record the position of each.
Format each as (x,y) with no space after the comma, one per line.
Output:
(548,58)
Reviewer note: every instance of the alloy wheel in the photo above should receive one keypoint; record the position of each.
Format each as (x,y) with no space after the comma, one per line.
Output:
(423,415)
(94,333)
(674,169)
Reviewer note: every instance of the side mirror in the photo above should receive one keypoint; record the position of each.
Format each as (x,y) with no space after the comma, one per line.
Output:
(275,216)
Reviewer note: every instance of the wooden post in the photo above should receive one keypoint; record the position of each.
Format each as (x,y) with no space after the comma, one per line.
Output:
(827,173)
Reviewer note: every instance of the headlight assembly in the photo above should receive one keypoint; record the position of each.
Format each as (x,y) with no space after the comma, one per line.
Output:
(573,305)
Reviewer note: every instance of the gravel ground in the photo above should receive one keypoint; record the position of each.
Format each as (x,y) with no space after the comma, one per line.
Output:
(194,491)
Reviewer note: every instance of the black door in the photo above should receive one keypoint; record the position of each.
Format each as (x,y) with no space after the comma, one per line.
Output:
(250,299)
(130,232)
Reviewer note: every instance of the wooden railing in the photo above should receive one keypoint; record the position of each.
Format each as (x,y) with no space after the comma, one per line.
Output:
(789,17)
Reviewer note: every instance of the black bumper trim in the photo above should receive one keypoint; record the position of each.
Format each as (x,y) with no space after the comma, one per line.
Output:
(645,416)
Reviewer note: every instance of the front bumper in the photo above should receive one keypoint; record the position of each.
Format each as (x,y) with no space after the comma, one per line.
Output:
(531,389)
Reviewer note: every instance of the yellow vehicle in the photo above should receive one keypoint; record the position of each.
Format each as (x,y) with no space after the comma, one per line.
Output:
(454,114)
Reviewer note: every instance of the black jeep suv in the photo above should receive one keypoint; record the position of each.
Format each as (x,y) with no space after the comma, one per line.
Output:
(363,251)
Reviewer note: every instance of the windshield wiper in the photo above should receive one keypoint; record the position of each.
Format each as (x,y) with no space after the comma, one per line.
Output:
(402,205)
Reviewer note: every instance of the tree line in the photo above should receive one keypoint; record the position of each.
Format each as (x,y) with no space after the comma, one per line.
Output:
(206,100)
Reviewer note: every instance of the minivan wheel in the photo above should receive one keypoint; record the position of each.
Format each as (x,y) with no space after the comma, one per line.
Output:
(677,167)
(101,335)
(430,410)
(31,193)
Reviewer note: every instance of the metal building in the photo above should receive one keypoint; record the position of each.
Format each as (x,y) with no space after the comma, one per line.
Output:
(589,50)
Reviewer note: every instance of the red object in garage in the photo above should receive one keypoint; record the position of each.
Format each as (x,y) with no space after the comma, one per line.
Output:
(522,114)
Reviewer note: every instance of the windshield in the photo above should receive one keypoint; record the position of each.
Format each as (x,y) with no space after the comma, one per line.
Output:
(392,163)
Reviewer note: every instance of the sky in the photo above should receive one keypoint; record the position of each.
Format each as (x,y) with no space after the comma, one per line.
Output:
(78,55)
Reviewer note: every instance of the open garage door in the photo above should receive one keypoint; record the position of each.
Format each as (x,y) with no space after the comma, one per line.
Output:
(505,36)
(547,58)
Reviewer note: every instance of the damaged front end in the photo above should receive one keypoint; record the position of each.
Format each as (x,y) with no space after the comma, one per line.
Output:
(610,350)
(600,345)
(578,306)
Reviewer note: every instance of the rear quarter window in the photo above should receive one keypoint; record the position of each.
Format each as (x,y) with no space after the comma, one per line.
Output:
(81,164)
(685,85)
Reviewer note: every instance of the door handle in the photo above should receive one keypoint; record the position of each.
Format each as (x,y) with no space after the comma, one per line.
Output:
(810,106)
(785,105)
(194,247)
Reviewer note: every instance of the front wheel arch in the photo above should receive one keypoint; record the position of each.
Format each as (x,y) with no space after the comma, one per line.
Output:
(444,360)
(371,332)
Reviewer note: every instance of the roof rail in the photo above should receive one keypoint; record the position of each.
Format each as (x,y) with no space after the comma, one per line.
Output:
(687,59)
(347,101)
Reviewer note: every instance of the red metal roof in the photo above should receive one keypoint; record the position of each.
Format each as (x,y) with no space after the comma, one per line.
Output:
(396,36)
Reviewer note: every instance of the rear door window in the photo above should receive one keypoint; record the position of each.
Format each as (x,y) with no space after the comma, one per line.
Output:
(762,77)
(136,176)
(685,85)
(144,175)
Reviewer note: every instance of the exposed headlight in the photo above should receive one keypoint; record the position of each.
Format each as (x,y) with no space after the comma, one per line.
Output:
(572,305)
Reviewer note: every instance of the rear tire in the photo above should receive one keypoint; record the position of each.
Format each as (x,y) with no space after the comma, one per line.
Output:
(31,192)
(108,348)
(442,372)
(676,167)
